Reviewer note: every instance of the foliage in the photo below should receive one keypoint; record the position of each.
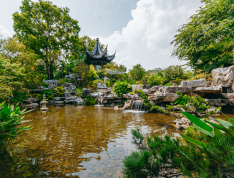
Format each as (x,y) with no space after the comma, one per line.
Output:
(92,73)
(193,104)
(121,88)
(49,95)
(59,91)
(48,30)
(87,42)
(78,92)
(155,80)
(206,41)
(10,120)
(95,82)
(89,101)
(19,96)
(200,74)
(159,154)
(168,84)
(11,75)
(205,152)
(145,78)
(108,83)
(116,68)
(215,147)
(173,72)
(137,72)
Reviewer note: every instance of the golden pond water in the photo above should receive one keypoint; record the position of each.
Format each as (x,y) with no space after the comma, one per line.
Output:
(79,141)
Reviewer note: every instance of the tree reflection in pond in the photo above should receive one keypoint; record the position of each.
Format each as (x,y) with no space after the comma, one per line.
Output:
(82,141)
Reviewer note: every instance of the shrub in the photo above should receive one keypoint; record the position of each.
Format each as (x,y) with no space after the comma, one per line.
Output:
(19,96)
(121,88)
(137,72)
(89,101)
(155,80)
(173,72)
(59,91)
(49,95)
(10,120)
(204,152)
(78,92)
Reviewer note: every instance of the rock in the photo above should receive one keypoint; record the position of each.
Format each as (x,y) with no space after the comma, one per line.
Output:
(174,89)
(95,95)
(31,100)
(68,87)
(32,105)
(170,97)
(146,91)
(214,102)
(214,109)
(223,76)
(52,83)
(156,96)
(59,99)
(127,96)
(215,89)
(79,101)
(154,89)
(228,95)
(136,87)
(59,102)
(101,86)
(85,92)
(146,87)
(185,121)
(194,83)
(127,104)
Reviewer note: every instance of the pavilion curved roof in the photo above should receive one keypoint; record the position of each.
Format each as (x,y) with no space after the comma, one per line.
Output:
(99,54)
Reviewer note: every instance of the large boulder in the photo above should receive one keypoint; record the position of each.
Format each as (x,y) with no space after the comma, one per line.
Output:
(85,92)
(174,89)
(194,83)
(170,97)
(215,89)
(154,89)
(52,83)
(223,76)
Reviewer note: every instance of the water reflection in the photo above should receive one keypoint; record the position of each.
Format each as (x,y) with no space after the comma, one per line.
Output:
(83,141)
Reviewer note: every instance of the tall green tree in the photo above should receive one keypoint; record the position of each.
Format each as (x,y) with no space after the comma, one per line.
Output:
(207,40)
(48,30)
(137,72)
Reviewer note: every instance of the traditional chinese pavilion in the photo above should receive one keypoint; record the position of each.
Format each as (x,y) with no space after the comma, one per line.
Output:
(98,56)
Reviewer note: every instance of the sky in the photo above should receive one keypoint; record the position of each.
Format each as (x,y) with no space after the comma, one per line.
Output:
(140,31)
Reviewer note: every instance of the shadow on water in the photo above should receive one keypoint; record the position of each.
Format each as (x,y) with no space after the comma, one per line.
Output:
(79,141)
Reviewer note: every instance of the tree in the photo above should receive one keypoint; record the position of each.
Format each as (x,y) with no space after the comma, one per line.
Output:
(48,30)
(16,52)
(173,72)
(207,40)
(137,72)
(88,42)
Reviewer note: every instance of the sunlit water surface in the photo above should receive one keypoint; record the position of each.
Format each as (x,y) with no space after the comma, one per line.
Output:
(80,141)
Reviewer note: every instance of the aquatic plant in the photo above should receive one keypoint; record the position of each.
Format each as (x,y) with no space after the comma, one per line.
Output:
(10,120)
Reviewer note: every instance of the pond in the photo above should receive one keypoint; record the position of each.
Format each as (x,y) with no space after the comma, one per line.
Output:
(80,141)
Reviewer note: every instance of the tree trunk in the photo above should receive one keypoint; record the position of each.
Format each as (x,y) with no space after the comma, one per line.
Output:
(51,70)
(47,68)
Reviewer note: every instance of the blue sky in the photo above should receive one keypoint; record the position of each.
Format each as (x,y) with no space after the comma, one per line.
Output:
(138,30)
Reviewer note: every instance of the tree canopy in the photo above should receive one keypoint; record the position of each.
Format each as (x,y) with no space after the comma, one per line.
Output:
(48,30)
(137,72)
(207,40)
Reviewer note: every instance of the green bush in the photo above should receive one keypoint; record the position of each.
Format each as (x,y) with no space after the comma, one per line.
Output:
(10,120)
(89,101)
(203,152)
(155,80)
(121,88)
(59,91)
(173,72)
(19,96)
(78,92)
(49,95)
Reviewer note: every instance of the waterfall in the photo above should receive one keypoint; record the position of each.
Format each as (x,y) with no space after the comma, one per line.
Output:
(138,105)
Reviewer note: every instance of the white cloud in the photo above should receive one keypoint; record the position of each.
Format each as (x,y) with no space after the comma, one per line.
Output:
(4,32)
(146,37)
